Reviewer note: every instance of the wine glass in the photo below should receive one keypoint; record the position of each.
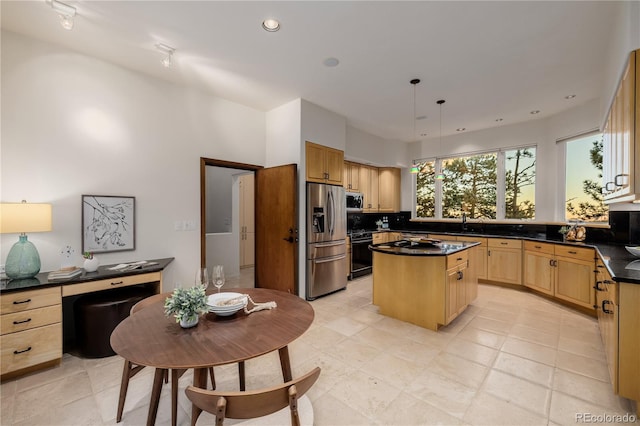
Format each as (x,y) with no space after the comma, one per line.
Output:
(202,277)
(218,276)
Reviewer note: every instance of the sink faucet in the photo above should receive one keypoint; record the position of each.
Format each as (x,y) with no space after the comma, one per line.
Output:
(464,221)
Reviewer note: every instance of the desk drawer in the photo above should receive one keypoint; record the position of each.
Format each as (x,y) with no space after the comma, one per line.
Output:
(30,347)
(456,259)
(575,252)
(538,247)
(23,300)
(25,320)
(89,287)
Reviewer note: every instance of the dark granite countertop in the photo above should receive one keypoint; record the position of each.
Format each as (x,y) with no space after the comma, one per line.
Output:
(622,265)
(103,272)
(409,248)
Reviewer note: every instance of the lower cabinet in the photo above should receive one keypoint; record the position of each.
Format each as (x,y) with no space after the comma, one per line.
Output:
(31,324)
(504,260)
(619,320)
(386,237)
(477,255)
(458,285)
(561,271)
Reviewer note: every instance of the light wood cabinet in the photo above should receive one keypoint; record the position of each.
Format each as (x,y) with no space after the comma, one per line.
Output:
(539,269)
(477,256)
(621,138)
(574,277)
(457,286)
(504,260)
(31,324)
(607,310)
(324,164)
(247,220)
(351,176)
(386,237)
(369,188)
(389,189)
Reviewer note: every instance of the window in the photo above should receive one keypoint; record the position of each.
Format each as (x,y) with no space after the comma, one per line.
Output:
(490,185)
(469,185)
(583,188)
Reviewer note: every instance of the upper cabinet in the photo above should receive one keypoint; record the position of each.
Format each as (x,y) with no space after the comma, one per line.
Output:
(389,189)
(369,188)
(621,139)
(324,164)
(351,176)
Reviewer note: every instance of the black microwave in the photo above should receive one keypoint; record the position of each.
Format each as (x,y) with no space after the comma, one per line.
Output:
(355,201)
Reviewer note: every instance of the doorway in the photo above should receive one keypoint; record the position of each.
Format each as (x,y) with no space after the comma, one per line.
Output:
(227,220)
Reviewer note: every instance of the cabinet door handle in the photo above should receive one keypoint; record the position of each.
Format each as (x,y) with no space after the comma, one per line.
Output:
(597,286)
(538,247)
(573,252)
(16,352)
(615,180)
(460,275)
(458,258)
(118,283)
(20,302)
(504,244)
(605,310)
(22,322)
(550,262)
(606,186)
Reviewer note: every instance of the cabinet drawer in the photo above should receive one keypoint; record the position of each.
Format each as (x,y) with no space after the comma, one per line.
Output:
(504,243)
(30,299)
(481,240)
(538,247)
(25,320)
(31,347)
(575,252)
(88,287)
(456,259)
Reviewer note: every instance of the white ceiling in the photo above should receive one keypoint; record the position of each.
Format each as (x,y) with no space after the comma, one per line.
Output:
(488,60)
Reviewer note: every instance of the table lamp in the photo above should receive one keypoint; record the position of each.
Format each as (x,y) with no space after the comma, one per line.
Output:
(23,260)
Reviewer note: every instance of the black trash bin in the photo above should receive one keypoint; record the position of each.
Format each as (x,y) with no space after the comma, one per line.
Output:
(97,315)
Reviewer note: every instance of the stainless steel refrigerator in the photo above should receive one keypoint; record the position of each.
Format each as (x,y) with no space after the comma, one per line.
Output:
(326,239)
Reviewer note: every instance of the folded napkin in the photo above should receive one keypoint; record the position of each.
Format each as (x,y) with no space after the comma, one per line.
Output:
(258,306)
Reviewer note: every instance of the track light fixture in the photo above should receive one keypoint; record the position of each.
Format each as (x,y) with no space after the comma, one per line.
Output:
(65,12)
(168,52)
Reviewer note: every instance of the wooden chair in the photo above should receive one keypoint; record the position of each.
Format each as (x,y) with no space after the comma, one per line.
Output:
(131,369)
(253,404)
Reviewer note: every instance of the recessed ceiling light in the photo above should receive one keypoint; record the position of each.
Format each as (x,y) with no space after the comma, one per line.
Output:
(65,12)
(421,117)
(271,25)
(535,111)
(461,129)
(499,119)
(168,52)
(331,62)
(570,96)
(423,134)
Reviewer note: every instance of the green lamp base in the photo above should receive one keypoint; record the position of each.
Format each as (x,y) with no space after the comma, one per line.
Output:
(23,260)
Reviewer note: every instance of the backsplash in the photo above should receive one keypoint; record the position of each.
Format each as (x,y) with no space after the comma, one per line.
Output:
(624,227)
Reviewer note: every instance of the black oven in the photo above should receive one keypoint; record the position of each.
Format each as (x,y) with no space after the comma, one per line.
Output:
(361,256)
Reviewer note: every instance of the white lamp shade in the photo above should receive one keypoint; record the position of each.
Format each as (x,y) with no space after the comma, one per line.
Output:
(17,218)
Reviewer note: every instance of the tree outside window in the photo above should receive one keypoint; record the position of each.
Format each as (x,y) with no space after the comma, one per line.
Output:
(520,180)
(469,185)
(426,189)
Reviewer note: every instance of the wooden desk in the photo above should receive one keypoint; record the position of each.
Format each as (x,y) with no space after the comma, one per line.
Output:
(150,338)
(32,319)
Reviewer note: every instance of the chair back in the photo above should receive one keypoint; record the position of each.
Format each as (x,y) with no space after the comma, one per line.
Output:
(257,403)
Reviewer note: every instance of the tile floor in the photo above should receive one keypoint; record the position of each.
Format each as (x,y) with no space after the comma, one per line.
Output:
(511,358)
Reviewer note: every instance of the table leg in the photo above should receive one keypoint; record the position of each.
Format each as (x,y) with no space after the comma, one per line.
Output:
(241,375)
(175,375)
(285,363)
(155,396)
(199,381)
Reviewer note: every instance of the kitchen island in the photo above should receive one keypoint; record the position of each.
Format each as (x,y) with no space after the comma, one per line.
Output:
(424,283)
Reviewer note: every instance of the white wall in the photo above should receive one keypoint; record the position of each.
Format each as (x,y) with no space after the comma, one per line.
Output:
(72,125)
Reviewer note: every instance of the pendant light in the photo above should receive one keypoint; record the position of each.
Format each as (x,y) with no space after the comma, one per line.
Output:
(440,175)
(414,82)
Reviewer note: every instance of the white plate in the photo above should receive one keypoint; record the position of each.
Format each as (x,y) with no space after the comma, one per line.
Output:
(634,250)
(225,310)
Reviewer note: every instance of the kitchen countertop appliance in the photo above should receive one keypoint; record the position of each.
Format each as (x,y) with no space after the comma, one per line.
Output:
(326,240)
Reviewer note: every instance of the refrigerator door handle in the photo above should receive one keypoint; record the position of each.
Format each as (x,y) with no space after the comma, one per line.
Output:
(332,211)
(332,244)
(331,259)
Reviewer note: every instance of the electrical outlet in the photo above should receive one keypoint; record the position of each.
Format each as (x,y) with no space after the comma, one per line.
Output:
(189,225)
(178,225)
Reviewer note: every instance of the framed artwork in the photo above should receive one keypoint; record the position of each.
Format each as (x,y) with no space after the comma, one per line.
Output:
(108,223)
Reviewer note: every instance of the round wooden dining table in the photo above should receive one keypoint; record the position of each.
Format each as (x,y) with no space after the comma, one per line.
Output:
(152,339)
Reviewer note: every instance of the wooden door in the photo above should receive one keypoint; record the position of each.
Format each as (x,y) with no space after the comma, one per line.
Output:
(277,228)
